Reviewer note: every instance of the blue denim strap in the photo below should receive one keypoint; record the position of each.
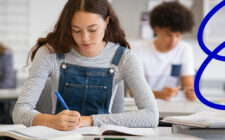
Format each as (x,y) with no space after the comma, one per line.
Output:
(60,56)
(118,55)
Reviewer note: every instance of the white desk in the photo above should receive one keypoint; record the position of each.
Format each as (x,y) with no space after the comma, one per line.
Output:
(162,133)
(9,97)
(181,106)
(9,93)
(171,108)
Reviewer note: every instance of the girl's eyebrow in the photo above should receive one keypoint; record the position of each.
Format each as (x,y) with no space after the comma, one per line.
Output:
(74,26)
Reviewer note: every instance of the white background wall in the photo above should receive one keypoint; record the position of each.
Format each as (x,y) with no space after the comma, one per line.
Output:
(43,15)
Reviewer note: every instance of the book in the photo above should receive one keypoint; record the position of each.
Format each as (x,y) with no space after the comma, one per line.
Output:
(205,133)
(204,119)
(19,131)
(114,129)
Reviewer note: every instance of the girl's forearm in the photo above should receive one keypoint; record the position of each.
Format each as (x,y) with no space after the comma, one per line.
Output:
(43,119)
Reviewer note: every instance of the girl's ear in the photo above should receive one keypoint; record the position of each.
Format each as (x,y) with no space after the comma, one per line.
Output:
(107,21)
(156,30)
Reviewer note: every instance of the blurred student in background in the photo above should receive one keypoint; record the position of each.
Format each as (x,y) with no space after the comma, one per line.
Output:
(6,79)
(168,61)
(6,68)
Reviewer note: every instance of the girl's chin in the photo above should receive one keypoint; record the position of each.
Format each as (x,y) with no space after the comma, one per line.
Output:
(170,47)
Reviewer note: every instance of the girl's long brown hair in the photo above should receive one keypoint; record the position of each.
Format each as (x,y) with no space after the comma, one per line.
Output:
(2,49)
(61,40)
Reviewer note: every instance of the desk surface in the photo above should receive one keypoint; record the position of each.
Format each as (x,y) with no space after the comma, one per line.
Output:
(162,133)
(171,108)
(9,93)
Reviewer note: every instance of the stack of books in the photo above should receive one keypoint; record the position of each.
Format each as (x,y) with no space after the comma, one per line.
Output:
(207,124)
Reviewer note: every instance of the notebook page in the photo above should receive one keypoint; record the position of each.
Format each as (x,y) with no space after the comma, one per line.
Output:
(42,132)
(205,118)
(130,131)
(91,130)
(11,127)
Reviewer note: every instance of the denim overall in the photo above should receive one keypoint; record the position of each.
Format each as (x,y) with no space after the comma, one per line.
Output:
(86,89)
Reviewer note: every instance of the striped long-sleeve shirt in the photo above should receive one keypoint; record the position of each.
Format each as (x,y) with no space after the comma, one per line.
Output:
(46,65)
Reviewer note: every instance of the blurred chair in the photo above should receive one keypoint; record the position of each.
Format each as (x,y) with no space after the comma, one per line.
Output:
(14,78)
(44,105)
(7,105)
(118,102)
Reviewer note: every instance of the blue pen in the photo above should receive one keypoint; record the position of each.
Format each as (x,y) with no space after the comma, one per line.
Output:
(61,100)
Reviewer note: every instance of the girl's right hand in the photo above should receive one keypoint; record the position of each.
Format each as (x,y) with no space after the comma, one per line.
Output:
(65,120)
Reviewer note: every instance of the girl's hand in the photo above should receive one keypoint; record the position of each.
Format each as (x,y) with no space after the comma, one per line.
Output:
(168,92)
(65,120)
(190,93)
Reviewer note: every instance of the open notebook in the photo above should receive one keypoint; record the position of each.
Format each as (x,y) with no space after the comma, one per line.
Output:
(205,119)
(22,132)
(42,132)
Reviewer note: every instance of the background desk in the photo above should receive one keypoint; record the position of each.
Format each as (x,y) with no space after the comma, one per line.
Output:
(176,107)
(6,94)
(8,99)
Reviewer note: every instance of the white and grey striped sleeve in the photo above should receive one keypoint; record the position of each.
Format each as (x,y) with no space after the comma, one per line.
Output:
(24,111)
(147,114)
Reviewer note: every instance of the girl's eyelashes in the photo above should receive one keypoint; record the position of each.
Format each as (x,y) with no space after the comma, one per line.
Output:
(76,32)
(80,31)
(92,30)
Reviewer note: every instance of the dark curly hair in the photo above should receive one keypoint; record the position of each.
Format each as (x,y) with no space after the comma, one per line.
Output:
(172,15)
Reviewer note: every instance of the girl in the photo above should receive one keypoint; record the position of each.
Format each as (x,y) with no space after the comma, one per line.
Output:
(86,56)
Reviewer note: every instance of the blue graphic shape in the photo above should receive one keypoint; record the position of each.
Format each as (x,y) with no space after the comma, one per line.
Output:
(211,55)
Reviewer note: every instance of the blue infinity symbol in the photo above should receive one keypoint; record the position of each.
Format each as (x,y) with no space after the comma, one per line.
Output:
(211,55)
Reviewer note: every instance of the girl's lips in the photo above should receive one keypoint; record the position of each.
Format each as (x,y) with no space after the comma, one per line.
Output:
(86,45)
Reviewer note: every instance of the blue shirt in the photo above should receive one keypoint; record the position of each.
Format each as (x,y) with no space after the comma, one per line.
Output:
(6,70)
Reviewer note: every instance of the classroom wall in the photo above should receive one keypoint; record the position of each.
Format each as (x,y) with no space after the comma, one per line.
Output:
(129,12)
(44,13)
(43,16)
